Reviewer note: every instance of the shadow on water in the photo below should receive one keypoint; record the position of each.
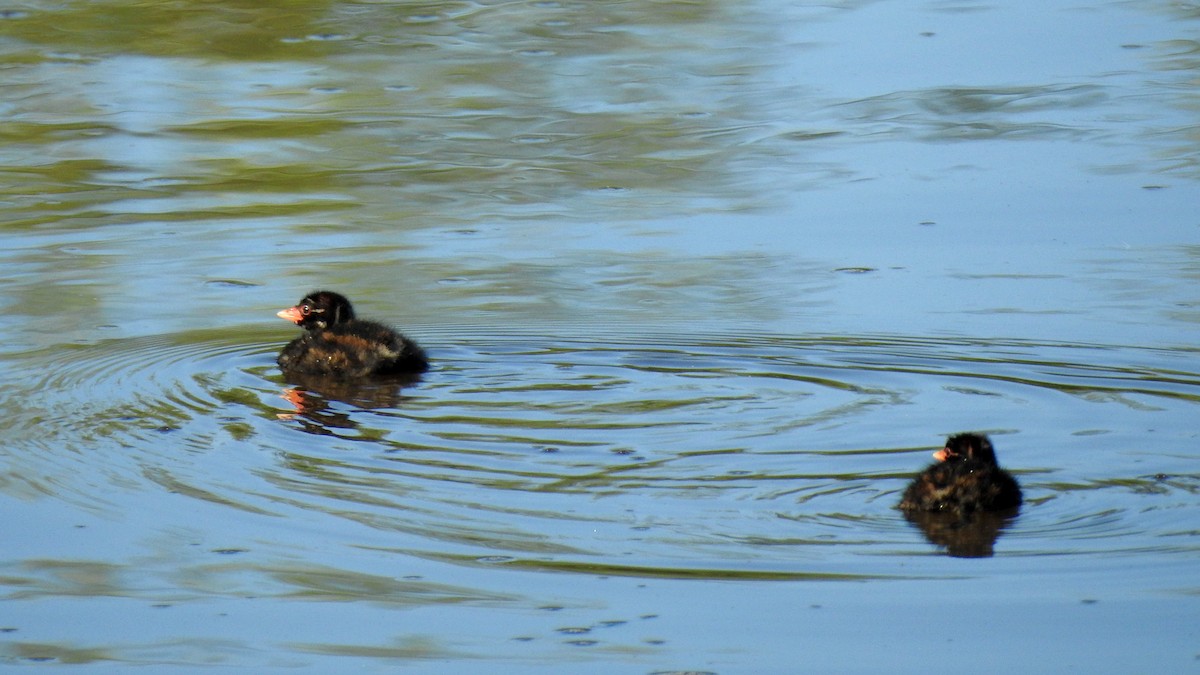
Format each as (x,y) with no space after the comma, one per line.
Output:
(971,536)
(314,397)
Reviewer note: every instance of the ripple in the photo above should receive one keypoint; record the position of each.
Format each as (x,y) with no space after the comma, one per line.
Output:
(99,415)
(725,456)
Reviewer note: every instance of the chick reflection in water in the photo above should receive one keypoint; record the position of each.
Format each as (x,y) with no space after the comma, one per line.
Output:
(963,501)
(315,399)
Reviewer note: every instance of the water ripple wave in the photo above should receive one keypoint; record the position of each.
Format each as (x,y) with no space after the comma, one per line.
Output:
(654,454)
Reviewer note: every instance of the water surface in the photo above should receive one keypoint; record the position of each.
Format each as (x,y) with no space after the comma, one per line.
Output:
(704,285)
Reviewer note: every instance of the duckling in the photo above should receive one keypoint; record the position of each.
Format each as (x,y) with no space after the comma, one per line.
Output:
(965,479)
(336,344)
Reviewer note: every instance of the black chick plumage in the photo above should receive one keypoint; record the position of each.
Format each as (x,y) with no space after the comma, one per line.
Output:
(337,344)
(965,479)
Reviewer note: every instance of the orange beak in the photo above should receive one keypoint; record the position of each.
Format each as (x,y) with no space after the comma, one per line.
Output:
(941,455)
(291,314)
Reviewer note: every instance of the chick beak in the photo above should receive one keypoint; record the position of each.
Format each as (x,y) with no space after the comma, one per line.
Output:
(291,314)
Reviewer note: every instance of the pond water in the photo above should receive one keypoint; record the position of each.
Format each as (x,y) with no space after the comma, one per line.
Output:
(703,284)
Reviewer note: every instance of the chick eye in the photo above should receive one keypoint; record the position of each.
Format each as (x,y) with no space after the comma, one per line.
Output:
(305,310)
